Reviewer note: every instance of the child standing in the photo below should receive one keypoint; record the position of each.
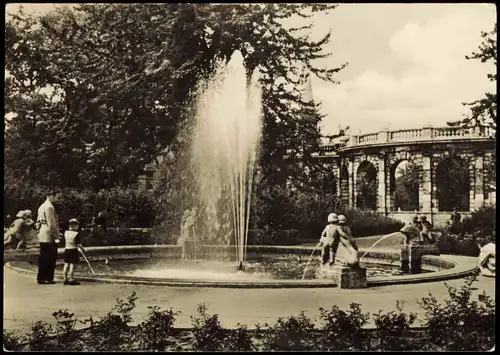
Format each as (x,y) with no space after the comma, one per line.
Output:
(72,241)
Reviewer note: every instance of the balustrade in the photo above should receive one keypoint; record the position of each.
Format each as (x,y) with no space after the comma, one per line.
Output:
(419,134)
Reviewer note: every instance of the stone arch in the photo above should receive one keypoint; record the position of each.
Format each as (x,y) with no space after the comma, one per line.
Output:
(366,186)
(453,184)
(344,185)
(405,177)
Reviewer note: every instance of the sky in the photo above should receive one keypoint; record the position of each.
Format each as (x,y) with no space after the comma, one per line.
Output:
(406,63)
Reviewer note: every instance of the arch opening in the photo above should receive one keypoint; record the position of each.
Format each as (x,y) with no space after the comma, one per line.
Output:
(405,179)
(453,185)
(366,187)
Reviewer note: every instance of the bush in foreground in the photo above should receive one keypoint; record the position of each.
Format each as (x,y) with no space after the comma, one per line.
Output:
(460,323)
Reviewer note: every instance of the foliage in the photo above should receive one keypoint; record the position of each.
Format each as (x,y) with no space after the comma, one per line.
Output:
(481,221)
(67,336)
(458,323)
(126,207)
(111,331)
(239,339)
(365,223)
(343,329)
(366,190)
(484,111)
(154,332)
(292,333)
(273,237)
(407,184)
(80,78)
(453,185)
(457,244)
(207,330)
(11,341)
(461,323)
(392,327)
(39,337)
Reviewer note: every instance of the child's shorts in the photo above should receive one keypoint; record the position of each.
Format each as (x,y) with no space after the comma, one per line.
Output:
(71,256)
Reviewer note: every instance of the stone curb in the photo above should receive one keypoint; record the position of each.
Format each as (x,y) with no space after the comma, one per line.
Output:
(456,271)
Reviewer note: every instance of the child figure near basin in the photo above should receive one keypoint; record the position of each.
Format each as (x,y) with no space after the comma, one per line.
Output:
(340,255)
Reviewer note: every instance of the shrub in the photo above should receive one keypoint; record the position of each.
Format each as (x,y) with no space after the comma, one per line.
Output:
(39,338)
(457,244)
(66,335)
(366,223)
(207,330)
(154,332)
(461,323)
(392,328)
(273,237)
(11,342)
(239,339)
(343,329)
(110,331)
(293,333)
(481,221)
(127,207)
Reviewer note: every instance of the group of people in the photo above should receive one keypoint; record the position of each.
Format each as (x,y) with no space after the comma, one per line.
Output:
(46,229)
(338,244)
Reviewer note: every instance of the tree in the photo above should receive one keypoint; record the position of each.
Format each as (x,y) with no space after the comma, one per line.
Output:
(453,184)
(366,190)
(406,189)
(483,111)
(124,78)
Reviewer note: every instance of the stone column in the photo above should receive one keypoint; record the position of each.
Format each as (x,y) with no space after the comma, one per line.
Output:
(382,191)
(425,193)
(350,169)
(352,182)
(478,181)
(336,171)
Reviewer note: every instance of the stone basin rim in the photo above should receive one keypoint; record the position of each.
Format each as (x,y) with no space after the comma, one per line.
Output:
(457,271)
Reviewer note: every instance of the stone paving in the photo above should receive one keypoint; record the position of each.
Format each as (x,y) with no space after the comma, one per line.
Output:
(25,301)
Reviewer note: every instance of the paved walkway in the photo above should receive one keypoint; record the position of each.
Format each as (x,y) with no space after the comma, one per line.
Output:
(25,301)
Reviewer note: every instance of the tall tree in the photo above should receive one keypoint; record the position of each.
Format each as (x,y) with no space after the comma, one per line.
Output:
(125,79)
(483,112)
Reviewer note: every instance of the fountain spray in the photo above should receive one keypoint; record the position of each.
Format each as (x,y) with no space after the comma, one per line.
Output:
(225,147)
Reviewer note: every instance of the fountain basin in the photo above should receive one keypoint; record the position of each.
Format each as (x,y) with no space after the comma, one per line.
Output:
(438,268)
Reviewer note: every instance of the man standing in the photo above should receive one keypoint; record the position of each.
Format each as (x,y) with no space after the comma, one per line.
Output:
(48,236)
(455,221)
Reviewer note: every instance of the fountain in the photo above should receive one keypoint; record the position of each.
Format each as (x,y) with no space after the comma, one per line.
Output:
(224,150)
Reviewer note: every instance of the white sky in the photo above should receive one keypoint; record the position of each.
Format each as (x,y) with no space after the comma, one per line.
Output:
(407,65)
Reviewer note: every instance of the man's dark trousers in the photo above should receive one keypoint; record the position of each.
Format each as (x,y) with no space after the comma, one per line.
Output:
(47,262)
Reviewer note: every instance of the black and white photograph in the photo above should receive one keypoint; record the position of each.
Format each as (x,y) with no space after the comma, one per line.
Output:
(248,177)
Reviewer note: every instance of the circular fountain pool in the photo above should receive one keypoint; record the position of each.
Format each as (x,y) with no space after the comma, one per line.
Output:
(267,267)
(283,268)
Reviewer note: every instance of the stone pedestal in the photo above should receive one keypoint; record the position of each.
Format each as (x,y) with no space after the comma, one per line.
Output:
(411,258)
(345,277)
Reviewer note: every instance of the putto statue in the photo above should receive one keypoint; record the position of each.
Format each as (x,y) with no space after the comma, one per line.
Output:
(487,256)
(339,247)
(186,239)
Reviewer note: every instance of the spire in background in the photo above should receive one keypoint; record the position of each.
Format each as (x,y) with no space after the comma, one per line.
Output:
(308,91)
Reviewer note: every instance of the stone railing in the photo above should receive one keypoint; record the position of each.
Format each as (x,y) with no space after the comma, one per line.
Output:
(415,135)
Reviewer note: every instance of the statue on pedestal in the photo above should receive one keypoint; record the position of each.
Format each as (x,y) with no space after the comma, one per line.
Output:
(339,247)
(412,235)
(186,239)
(487,257)
(340,255)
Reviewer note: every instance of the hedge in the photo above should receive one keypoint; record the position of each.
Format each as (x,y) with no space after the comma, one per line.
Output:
(126,207)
